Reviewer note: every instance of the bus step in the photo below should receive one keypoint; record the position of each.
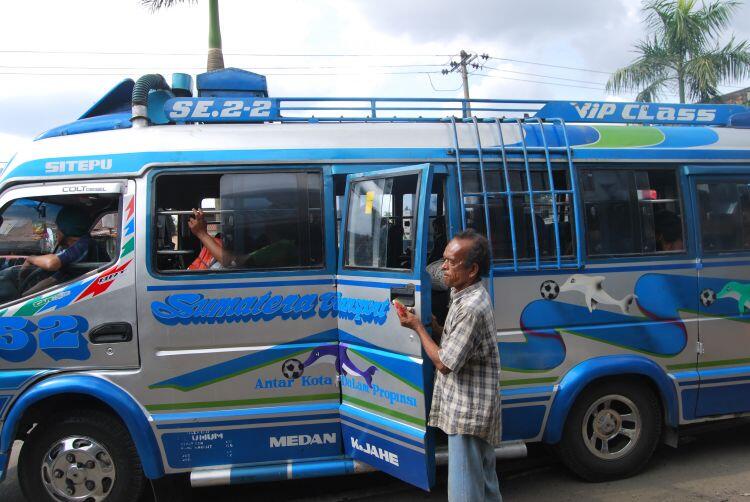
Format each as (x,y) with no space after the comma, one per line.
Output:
(277,472)
(506,451)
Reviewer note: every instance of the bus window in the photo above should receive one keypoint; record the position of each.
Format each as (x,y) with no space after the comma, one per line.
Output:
(543,215)
(81,230)
(257,220)
(725,216)
(632,212)
(375,236)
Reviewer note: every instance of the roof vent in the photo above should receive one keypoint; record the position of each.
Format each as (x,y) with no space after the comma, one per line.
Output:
(231,82)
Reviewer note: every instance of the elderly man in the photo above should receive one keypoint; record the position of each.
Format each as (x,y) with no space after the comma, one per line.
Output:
(466,398)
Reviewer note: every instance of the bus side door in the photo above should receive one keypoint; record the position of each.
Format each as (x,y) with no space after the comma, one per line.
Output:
(386,381)
(722,216)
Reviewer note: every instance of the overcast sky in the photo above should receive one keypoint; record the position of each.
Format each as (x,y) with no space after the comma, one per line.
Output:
(57,58)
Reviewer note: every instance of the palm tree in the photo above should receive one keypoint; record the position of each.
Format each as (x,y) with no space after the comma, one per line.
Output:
(215,55)
(682,51)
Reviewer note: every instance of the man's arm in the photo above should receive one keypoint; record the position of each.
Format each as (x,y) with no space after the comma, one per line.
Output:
(199,228)
(48,262)
(411,321)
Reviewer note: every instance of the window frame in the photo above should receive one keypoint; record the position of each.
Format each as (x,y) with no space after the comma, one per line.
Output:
(38,190)
(343,244)
(681,188)
(735,178)
(219,171)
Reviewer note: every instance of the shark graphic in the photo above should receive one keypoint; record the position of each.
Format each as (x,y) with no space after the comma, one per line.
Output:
(738,291)
(591,287)
(344,365)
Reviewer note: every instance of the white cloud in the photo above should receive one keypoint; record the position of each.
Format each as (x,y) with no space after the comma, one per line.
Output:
(596,34)
(9,145)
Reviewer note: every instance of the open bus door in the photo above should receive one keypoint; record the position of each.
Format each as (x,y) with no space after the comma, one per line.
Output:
(386,382)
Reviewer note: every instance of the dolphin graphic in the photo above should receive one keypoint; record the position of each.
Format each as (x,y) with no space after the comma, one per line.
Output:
(344,365)
(740,292)
(322,351)
(591,287)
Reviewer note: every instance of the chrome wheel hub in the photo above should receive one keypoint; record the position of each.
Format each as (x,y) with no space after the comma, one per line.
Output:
(611,427)
(78,469)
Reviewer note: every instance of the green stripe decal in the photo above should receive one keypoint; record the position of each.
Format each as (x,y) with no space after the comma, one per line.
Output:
(128,247)
(386,411)
(606,342)
(227,377)
(385,370)
(527,381)
(626,137)
(709,364)
(241,402)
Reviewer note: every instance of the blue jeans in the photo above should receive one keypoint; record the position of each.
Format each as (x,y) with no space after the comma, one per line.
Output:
(471,470)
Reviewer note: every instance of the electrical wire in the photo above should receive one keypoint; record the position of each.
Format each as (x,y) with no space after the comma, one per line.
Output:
(429,77)
(226,53)
(552,65)
(542,76)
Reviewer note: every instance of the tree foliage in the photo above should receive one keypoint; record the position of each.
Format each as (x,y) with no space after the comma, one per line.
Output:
(683,51)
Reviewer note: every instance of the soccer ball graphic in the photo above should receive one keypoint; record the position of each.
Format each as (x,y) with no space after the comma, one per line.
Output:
(708,296)
(549,290)
(292,368)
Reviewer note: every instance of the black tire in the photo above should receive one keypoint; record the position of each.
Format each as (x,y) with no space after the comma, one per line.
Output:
(633,454)
(100,427)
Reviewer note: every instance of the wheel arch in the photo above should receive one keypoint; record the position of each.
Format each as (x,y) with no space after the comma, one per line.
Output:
(599,368)
(88,387)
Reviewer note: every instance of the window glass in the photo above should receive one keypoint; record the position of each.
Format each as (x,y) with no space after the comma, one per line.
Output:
(250,221)
(272,220)
(80,231)
(632,212)
(376,235)
(725,216)
(526,223)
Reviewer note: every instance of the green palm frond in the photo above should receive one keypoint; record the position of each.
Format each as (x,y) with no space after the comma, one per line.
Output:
(155,5)
(682,50)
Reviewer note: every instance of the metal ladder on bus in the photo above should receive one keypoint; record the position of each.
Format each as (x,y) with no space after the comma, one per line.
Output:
(525,151)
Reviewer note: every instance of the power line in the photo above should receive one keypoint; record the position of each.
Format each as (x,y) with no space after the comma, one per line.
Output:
(429,77)
(538,82)
(309,74)
(226,53)
(543,76)
(552,65)
(317,67)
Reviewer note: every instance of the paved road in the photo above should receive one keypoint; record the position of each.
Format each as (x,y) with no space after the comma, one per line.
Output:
(709,466)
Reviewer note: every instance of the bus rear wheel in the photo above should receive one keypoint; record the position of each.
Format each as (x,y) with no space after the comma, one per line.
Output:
(611,431)
(86,457)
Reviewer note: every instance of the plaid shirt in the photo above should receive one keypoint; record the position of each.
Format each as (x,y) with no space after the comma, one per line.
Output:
(467,400)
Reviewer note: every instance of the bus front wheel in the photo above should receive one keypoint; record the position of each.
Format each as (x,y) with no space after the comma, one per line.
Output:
(611,431)
(87,456)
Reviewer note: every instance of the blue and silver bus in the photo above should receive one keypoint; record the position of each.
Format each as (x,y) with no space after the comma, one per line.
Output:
(620,238)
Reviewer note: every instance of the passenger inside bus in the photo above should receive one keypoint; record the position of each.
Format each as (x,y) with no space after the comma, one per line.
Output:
(279,252)
(668,231)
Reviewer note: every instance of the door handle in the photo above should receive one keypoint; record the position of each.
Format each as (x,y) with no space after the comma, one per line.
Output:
(113,332)
(404,294)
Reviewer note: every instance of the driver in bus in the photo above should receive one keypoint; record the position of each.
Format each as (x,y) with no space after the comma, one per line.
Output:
(40,272)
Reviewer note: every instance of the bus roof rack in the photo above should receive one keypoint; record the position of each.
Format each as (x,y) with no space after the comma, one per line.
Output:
(246,101)
(317,109)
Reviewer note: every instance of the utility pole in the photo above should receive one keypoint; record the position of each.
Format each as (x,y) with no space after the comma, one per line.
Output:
(466,60)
